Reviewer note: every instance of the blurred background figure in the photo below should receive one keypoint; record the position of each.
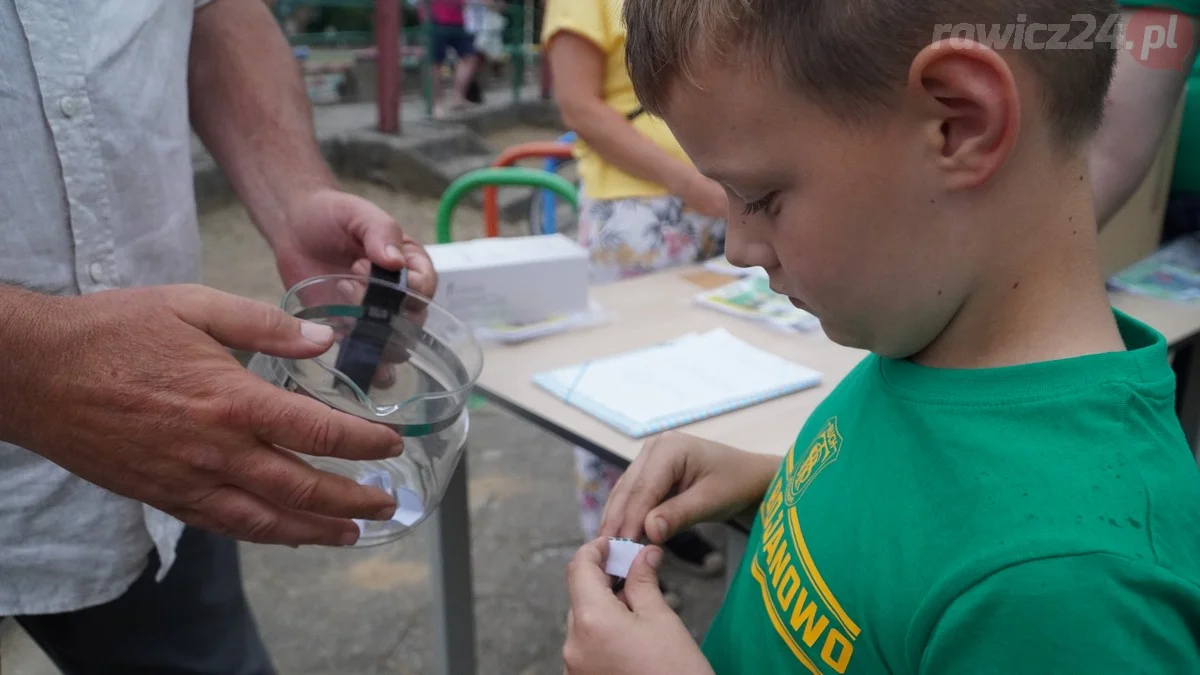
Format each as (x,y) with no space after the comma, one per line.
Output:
(643,205)
(450,33)
(485,21)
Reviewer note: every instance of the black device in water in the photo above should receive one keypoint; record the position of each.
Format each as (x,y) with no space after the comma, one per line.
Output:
(363,350)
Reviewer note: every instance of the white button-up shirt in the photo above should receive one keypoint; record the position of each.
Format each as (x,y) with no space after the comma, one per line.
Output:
(95,193)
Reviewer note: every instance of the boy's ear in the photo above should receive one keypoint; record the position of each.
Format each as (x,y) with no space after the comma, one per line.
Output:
(968,98)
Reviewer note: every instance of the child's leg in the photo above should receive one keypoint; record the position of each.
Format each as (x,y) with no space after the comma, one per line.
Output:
(464,74)
(437,58)
(467,62)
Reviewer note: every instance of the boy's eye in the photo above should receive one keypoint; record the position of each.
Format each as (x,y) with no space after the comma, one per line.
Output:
(760,205)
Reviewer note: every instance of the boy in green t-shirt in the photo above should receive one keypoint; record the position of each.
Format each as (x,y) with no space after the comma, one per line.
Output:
(1001,486)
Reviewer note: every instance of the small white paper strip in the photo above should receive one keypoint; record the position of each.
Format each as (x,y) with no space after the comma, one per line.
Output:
(377,479)
(409,507)
(621,554)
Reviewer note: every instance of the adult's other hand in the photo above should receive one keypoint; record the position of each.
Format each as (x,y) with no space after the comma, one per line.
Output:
(329,231)
(134,391)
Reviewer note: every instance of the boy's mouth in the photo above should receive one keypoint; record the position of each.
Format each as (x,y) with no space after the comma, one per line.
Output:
(795,302)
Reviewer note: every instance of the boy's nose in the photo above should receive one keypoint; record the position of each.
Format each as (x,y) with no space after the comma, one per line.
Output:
(743,251)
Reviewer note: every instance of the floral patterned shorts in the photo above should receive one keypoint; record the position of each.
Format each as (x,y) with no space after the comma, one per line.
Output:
(630,237)
(627,238)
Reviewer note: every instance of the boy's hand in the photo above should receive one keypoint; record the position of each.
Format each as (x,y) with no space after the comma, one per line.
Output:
(708,481)
(640,635)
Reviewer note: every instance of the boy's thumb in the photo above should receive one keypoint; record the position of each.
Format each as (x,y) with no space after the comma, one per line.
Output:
(641,586)
(675,515)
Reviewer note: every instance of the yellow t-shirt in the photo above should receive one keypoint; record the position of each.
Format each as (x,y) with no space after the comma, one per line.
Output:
(600,22)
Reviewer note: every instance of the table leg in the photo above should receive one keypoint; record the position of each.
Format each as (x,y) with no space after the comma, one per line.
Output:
(453,595)
(1187,391)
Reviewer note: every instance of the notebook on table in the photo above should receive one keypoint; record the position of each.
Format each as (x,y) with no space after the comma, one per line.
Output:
(691,378)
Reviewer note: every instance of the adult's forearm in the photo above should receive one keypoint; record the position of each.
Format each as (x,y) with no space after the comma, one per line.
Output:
(250,107)
(1141,102)
(610,135)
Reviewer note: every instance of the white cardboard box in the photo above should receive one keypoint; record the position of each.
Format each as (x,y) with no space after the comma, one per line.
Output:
(511,280)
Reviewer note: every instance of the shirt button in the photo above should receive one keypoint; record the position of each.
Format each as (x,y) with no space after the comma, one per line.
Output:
(96,270)
(69,105)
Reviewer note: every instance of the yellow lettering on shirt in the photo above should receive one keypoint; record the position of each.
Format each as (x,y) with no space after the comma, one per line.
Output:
(786,589)
(836,641)
(771,504)
(772,539)
(779,564)
(803,610)
(806,614)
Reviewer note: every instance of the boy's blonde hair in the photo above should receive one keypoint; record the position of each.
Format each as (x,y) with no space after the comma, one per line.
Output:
(848,56)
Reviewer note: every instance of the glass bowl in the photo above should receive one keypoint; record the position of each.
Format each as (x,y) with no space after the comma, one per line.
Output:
(398,359)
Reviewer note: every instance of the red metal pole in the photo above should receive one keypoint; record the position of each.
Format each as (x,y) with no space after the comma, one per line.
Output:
(509,157)
(387,64)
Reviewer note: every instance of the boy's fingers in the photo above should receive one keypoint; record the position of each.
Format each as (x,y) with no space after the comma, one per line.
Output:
(612,523)
(649,488)
(677,513)
(614,509)
(587,583)
(641,586)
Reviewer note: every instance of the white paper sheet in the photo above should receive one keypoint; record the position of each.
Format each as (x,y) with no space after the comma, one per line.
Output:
(621,554)
(690,378)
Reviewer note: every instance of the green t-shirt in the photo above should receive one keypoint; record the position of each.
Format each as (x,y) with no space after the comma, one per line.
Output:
(1189,7)
(1042,518)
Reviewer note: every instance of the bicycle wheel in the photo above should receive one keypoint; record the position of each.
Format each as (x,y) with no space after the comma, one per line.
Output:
(566,220)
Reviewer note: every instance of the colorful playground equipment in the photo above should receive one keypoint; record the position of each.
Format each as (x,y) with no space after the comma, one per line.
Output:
(555,151)
(492,177)
(543,215)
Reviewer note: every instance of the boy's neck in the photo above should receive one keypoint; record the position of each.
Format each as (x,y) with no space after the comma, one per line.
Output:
(1043,298)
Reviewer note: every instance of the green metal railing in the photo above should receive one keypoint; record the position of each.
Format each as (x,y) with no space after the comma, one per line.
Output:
(502,177)
(284,9)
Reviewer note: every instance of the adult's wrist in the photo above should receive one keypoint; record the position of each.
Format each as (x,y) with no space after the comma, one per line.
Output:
(279,201)
(26,329)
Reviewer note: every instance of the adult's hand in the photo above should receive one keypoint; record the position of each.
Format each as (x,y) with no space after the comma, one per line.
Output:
(333,232)
(134,391)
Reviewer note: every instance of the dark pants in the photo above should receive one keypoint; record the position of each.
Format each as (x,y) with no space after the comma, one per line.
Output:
(196,622)
(446,38)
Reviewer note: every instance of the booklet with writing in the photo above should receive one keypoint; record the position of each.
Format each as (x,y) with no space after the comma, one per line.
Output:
(751,298)
(694,377)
